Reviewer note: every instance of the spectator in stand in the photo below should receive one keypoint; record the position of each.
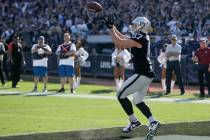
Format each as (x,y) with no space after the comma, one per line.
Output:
(202,57)
(120,59)
(33,14)
(2,52)
(16,57)
(173,55)
(40,53)
(66,53)
(162,60)
(80,58)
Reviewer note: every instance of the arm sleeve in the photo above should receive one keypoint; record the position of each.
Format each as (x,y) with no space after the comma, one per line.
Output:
(85,54)
(180,51)
(160,58)
(73,48)
(48,48)
(2,48)
(113,57)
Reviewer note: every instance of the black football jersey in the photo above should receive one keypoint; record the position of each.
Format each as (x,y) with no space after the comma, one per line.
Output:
(141,61)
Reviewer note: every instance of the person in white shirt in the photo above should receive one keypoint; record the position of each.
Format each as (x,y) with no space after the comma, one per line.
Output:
(120,59)
(2,52)
(80,58)
(173,55)
(66,52)
(40,52)
(162,60)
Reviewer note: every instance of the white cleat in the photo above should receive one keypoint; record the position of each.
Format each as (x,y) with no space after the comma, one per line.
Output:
(44,90)
(153,129)
(131,126)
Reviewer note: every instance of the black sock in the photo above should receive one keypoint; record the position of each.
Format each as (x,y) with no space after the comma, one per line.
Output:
(144,109)
(127,106)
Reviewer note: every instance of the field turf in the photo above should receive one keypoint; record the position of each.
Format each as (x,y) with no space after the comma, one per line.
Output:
(30,114)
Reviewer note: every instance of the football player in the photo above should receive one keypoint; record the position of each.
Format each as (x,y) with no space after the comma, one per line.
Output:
(143,75)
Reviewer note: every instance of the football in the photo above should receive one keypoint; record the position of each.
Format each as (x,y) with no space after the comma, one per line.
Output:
(94,7)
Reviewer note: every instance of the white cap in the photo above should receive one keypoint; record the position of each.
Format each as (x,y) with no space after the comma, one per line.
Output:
(203,39)
(174,37)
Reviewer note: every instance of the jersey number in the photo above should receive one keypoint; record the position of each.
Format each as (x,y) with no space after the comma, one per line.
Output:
(137,36)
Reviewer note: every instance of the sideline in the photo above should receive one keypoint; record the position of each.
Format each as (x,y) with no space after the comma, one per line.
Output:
(89,96)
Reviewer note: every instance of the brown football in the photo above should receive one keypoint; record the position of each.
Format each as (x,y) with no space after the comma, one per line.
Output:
(94,7)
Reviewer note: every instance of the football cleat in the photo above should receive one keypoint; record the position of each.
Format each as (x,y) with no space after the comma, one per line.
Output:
(131,126)
(72,91)
(153,128)
(44,90)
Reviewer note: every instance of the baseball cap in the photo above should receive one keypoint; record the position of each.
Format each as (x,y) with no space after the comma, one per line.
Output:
(174,37)
(41,38)
(202,39)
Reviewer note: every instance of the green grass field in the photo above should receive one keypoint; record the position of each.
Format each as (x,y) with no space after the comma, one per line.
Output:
(26,114)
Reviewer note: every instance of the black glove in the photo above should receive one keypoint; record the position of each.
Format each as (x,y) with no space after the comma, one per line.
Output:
(108,21)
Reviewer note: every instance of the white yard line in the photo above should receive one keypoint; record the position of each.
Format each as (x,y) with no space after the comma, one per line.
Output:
(89,96)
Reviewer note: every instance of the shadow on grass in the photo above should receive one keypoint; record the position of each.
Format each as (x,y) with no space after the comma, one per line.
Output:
(101,91)
(54,89)
(2,88)
(11,94)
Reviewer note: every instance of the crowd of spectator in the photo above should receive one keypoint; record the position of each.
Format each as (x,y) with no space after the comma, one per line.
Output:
(52,18)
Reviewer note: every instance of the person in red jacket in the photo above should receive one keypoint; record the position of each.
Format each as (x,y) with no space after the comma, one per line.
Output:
(16,57)
(202,57)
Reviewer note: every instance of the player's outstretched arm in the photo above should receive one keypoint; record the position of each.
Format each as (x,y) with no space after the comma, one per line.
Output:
(119,33)
(123,41)
(118,38)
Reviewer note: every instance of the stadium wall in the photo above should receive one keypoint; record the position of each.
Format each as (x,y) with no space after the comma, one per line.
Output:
(99,65)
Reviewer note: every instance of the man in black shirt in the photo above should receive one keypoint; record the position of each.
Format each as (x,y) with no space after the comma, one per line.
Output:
(143,75)
(17,59)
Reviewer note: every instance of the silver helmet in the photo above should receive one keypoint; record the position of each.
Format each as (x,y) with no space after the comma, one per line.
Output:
(140,24)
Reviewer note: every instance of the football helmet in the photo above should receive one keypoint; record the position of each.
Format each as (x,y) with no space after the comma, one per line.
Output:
(140,24)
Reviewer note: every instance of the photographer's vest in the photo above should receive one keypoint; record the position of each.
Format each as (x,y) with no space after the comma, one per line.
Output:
(37,56)
(64,49)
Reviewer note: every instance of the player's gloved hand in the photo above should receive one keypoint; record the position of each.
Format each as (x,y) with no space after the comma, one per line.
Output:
(108,21)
